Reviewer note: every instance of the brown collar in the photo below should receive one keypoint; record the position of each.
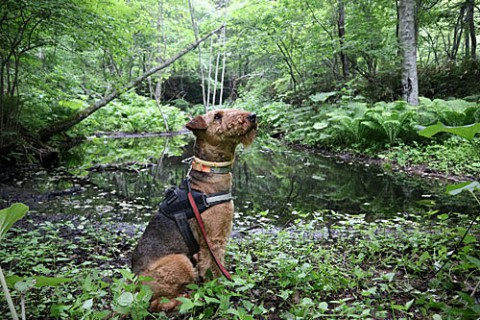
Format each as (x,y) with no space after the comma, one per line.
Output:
(212,167)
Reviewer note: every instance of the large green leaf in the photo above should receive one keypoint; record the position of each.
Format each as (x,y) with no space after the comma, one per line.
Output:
(40,281)
(467,132)
(464,186)
(11,215)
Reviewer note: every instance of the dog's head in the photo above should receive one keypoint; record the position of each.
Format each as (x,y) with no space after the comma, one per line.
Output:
(225,128)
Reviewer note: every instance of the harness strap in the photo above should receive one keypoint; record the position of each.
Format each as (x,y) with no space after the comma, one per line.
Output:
(198,216)
(219,198)
(176,206)
(184,228)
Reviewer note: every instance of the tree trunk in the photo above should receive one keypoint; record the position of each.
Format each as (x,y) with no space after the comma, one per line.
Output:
(66,124)
(470,24)
(409,50)
(457,34)
(2,95)
(341,35)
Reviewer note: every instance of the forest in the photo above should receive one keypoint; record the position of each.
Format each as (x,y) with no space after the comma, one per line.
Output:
(91,93)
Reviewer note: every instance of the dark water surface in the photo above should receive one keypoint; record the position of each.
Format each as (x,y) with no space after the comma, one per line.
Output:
(126,179)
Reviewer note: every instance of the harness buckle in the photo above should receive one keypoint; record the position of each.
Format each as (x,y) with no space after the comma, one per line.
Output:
(170,195)
(205,200)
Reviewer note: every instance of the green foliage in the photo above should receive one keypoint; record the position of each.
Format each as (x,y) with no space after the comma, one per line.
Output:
(347,124)
(36,281)
(473,308)
(124,297)
(387,130)
(132,113)
(464,186)
(451,156)
(297,272)
(81,267)
(219,298)
(10,215)
(355,125)
(467,132)
(389,120)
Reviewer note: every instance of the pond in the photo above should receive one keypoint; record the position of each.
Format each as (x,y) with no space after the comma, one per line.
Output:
(126,179)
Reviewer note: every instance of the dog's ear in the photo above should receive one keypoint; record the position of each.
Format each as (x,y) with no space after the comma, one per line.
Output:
(197,123)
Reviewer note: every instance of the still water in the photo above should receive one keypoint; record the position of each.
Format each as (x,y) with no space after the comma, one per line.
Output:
(126,179)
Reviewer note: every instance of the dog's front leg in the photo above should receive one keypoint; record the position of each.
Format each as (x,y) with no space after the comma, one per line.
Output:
(206,261)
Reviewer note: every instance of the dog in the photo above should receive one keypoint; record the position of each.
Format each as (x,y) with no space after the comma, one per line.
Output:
(172,251)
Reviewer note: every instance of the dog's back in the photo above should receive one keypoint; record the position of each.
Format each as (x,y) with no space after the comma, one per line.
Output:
(161,238)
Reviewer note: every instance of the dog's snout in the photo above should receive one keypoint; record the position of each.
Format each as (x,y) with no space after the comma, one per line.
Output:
(252,117)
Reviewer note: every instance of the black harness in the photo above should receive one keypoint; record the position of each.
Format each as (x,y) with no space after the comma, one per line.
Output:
(176,207)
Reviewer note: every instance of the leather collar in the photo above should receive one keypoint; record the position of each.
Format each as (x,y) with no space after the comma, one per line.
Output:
(211,166)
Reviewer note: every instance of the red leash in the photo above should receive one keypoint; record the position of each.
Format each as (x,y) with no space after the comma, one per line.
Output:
(198,216)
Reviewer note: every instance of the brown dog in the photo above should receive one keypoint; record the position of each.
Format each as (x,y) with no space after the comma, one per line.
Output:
(163,252)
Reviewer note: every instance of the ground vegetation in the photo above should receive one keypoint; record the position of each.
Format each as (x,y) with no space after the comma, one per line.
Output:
(351,269)
(322,74)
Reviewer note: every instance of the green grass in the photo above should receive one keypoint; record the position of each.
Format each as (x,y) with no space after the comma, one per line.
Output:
(379,269)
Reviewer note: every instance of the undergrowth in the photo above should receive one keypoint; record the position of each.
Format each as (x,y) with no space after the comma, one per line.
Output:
(129,113)
(453,156)
(340,122)
(321,265)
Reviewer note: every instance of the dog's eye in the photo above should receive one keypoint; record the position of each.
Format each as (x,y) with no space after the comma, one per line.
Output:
(217,116)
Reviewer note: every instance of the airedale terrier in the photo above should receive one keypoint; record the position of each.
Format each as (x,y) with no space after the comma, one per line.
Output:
(172,250)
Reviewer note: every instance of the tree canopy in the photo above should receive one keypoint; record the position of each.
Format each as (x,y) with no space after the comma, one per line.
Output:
(60,57)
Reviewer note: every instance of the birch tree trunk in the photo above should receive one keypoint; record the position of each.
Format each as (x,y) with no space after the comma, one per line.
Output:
(408,49)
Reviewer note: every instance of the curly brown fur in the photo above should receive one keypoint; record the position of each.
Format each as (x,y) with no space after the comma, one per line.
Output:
(161,253)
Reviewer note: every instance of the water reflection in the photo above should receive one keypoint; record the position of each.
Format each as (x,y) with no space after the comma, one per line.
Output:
(127,178)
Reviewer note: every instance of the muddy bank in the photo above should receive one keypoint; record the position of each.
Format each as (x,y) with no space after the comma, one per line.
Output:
(389,166)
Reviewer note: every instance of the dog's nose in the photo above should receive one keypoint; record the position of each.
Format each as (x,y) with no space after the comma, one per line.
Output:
(252,117)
